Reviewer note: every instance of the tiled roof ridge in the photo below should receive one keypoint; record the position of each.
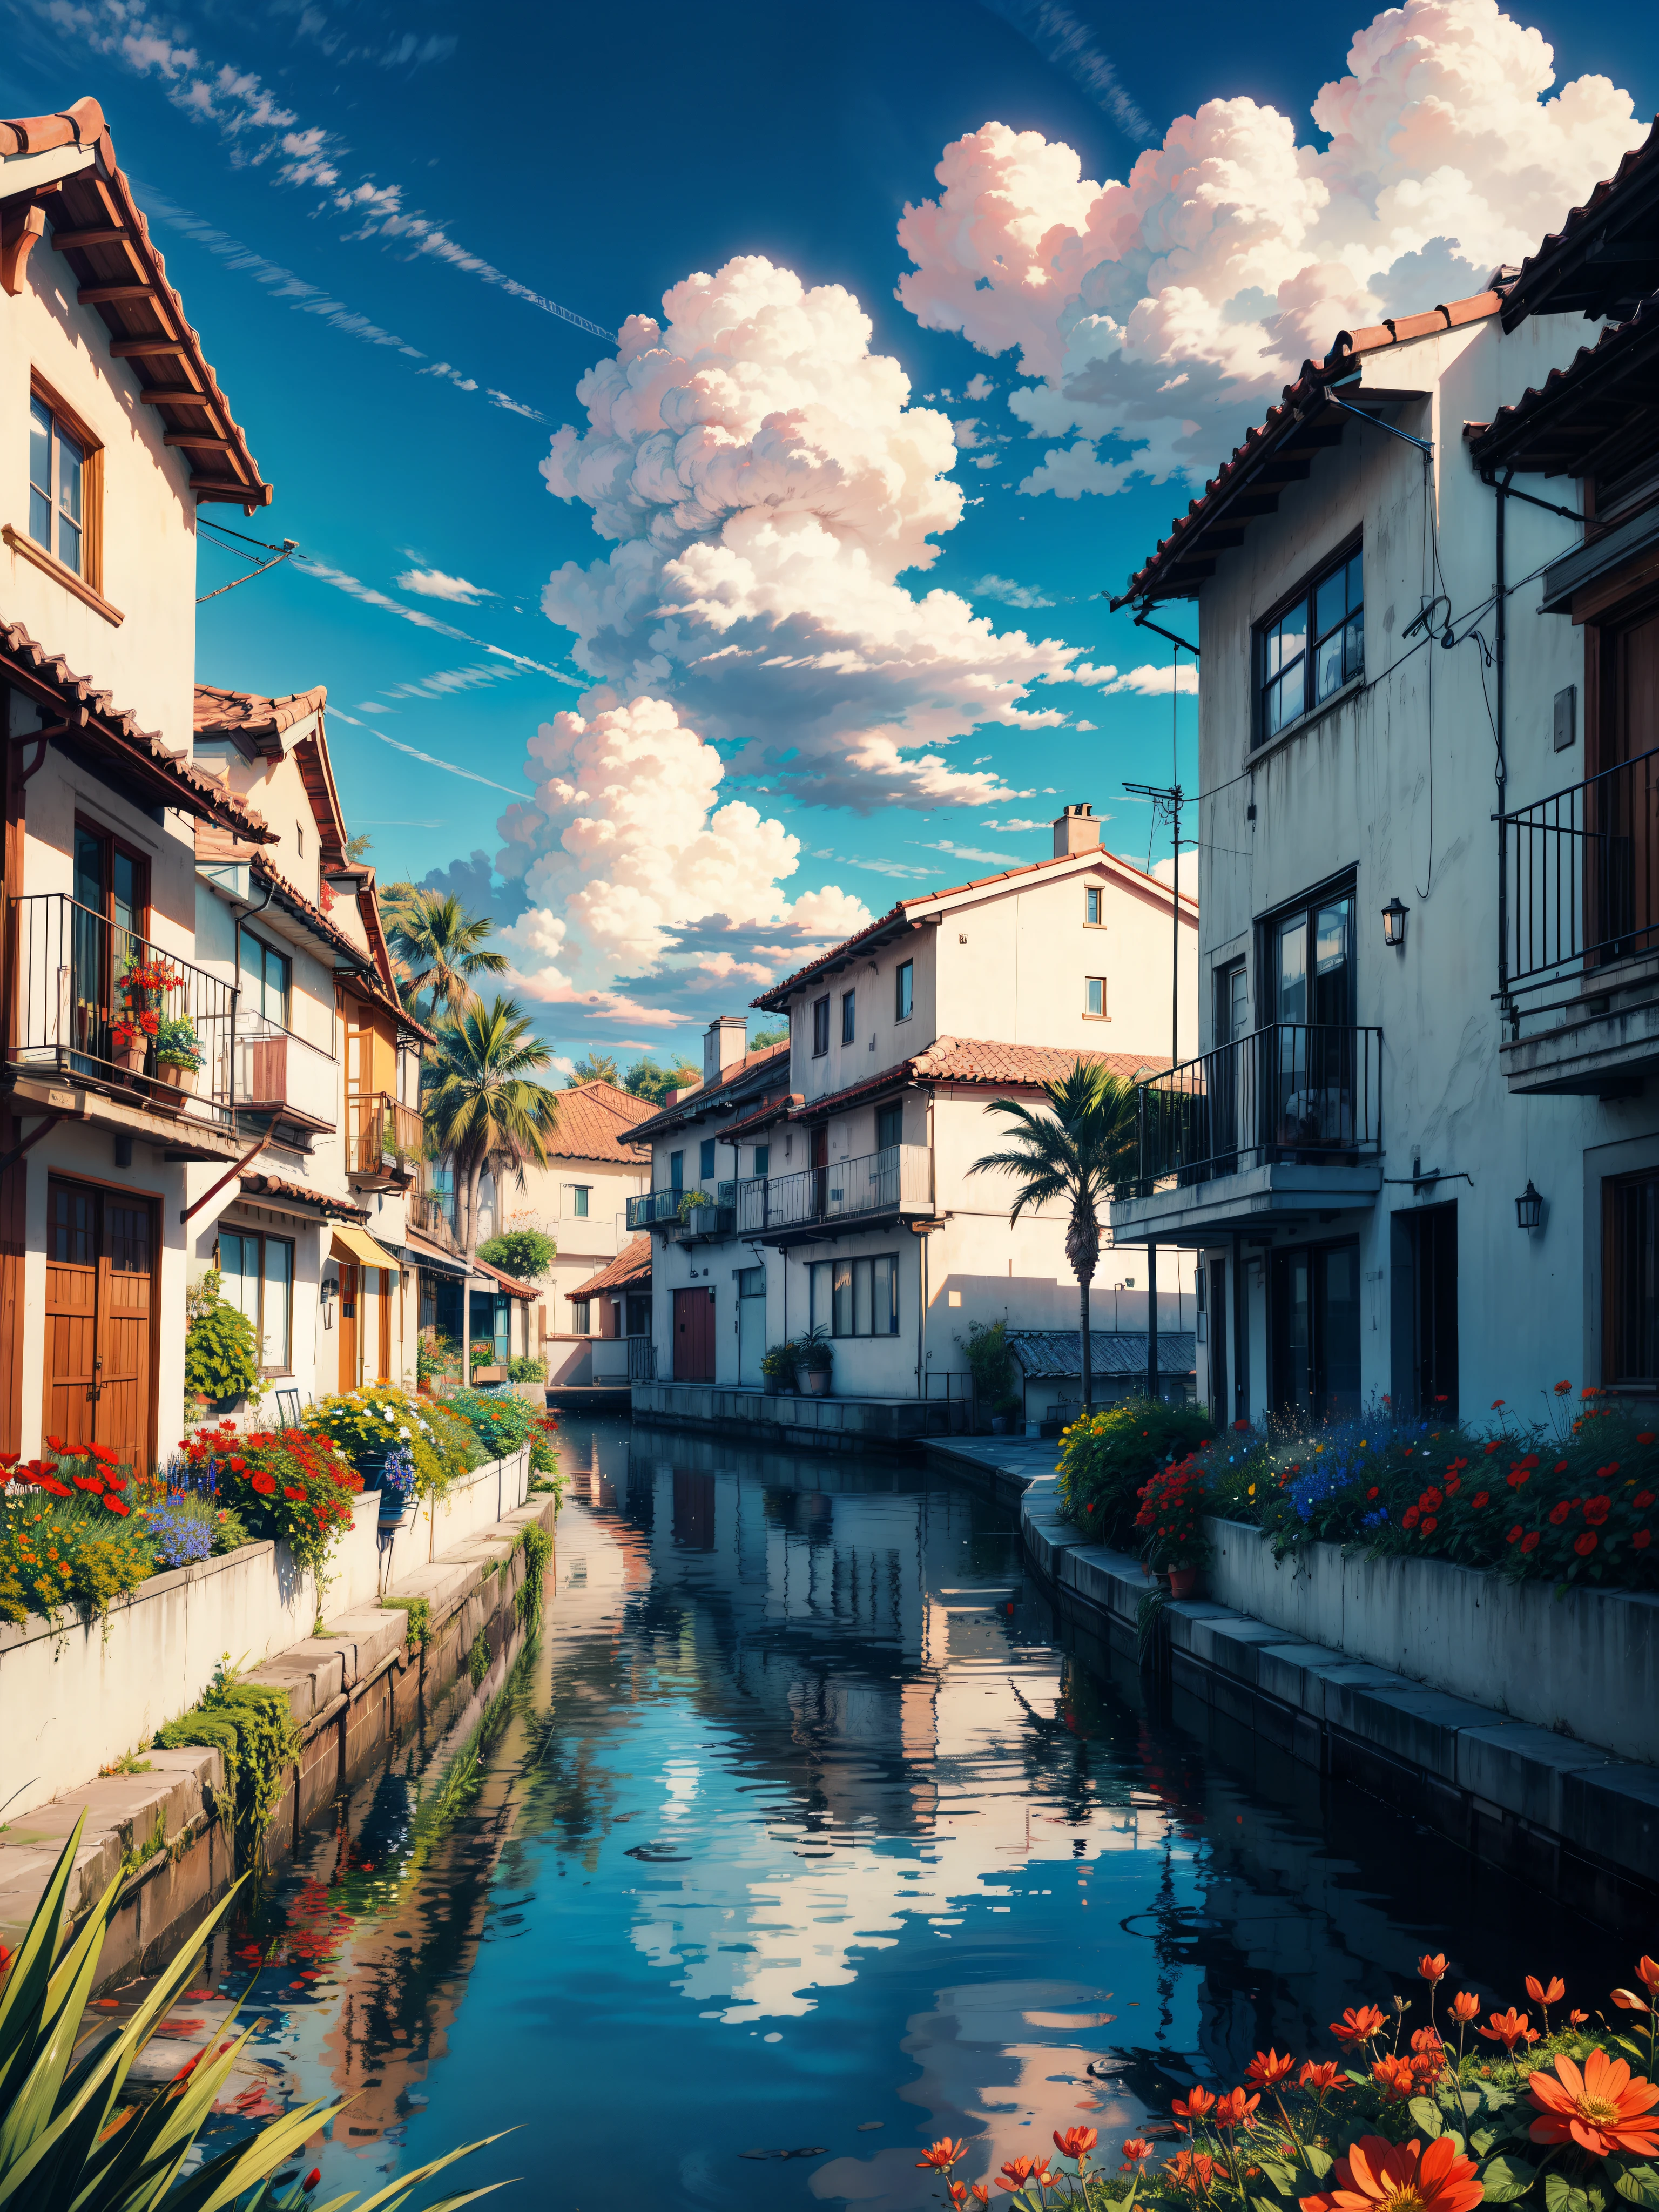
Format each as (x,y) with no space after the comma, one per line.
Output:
(1593,202)
(83,125)
(1346,348)
(1610,339)
(364,961)
(619,1102)
(933,1065)
(280,711)
(510,1284)
(701,1094)
(631,1265)
(271,1186)
(79,693)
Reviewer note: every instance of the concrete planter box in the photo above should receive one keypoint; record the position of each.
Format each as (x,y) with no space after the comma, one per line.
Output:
(1584,1665)
(476,1501)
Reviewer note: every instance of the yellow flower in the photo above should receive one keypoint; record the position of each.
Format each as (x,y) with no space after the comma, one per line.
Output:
(1253,1490)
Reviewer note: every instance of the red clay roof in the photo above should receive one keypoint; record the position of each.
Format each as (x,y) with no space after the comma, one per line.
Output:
(174,777)
(595,1121)
(698,1099)
(259,727)
(510,1284)
(629,1269)
(1614,283)
(256,1187)
(145,317)
(984,1064)
(1302,404)
(898,915)
(774,1109)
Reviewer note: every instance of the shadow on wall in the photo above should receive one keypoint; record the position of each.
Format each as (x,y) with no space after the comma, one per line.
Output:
(1040,1302)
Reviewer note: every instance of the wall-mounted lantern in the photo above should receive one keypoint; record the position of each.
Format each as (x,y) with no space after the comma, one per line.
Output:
(1529,1207)
(1394,924)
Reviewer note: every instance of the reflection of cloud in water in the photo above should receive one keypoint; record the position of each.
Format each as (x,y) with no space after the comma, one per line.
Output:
(1002,2063)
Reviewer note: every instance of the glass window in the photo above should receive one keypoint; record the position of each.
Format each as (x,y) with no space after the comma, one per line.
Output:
(1091,908)
(1232,1004)
(890,1124)
(820,1026)
(763,1159)
(904,990)
(842,1304)
(706,1159)
(1314,649)
(1094,996)
(1293,970)
(849,1029)
(579,1192)
(266,976)
(57,468)
(675,1170)
(751,1282)
(73,1242)
(579,1315)
(257,1278)
(853,1297)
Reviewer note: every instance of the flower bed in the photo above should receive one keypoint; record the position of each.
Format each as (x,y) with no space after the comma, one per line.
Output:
(368,1425)
(284,1483)
(1439,2117)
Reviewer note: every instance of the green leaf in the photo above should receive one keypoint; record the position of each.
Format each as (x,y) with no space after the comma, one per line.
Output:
(1561,2195)
(1629,2043)
(1496,2097)
(1318,2162)
(1635,2180)
(1505,2178)
(1482,2141)
(1426,2113)
(1278,2171)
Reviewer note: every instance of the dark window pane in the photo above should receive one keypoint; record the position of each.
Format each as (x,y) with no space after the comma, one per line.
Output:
(889,1126)
(1329,666)
(763,1159)
(848,1017)
(1331,603)
(904,990)
(1353,649)
(706,1157)
(843,1296)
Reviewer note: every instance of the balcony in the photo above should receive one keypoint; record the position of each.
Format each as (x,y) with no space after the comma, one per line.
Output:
(685,1217)
(819,1203)
(429,1212)
(91,1003)
(1578,973)
(280,1075)
(1287,1123)
(384,1140)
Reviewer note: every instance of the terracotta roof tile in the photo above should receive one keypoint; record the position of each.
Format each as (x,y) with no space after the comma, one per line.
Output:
(256,1187)
(595,1122)
(700,1096)
(983,1064)
(1558,245)
(98,196)
(246,714)
(1300,401)
(54,687)
(630,1269)
(510,1284)
(1609,355)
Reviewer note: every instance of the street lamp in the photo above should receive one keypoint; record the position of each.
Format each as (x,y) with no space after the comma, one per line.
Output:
(1394,924)
(1529,1208)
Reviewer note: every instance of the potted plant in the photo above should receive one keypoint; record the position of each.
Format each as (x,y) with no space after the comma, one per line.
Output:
(128,1044)
(1005,1412)
(483,1363)
(179,1053)
(816,1361)
(780,1365)
(1170,1520)
(689,1206)
(398,1483)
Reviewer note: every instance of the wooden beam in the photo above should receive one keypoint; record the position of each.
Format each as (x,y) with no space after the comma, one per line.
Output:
(138,349)
(249,496)
(167,395)
(98,295)
(95,234)
(191,438)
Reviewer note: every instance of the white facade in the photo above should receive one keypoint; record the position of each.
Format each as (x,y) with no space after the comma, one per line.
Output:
(846,1203)
(1387,792)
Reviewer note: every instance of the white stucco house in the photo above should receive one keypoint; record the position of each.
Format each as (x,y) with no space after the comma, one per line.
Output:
(1416,1155)
(824,1184)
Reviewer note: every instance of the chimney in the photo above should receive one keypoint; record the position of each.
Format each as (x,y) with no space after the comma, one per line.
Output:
(1076,831)
(724,1041)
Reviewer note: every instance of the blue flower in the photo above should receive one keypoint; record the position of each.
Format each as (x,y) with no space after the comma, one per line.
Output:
(1375,1520)
(179,1535)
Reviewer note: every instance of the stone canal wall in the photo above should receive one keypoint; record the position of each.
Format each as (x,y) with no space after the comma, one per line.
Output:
(354,1691)
(798,1421)
(1570,1815)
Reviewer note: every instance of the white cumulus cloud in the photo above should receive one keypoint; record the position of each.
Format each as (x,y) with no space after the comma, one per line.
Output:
(1157,313)
(433,584)
(1149,681)
(768,483)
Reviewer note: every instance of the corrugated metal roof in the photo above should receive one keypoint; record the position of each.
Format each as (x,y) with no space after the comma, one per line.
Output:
(1052,1353)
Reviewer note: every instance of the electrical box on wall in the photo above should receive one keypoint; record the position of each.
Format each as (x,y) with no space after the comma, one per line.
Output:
(1566,717)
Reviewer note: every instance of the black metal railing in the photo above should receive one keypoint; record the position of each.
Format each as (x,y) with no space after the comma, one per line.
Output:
(653,1207)
(642,1359)
(1581,877)
(898,1178)
(93,999)
(1291,1092)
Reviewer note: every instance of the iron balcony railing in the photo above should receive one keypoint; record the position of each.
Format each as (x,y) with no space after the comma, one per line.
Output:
(1291,1092)
(653,1207)
(684,1214)
(277,1070)
(382,1136)
(899,1178)
(1581,878)
(431,1212)
(92,999)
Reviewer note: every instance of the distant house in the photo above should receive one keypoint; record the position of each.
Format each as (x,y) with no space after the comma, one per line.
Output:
(1049,1362)
(612,1311)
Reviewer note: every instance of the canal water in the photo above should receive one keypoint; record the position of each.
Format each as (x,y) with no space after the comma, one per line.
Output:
(795,1839)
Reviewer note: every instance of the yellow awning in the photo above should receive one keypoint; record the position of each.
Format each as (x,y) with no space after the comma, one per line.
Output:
(358,1246)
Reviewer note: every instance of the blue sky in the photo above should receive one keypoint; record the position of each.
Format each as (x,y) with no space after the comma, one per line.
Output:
(324,180)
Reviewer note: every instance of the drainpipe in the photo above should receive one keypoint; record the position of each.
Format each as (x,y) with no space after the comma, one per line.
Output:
(1501,634)
(1152,1319)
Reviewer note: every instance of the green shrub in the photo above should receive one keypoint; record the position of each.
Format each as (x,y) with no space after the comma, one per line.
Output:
(477,1659)
(501,1424)
(990,1363)
(781,1363)
(525,1253)
(252,1726)
(544,1451)
(435,1355)
(419,1610)
(222,1355)
(367,1425)
(1105,1457)
(456,1437)
(527,1370)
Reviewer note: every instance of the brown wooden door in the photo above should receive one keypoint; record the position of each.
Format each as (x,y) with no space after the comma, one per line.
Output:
(382,1373)
(348,1325)
(821,1171)
(694,1336)
(100,1320)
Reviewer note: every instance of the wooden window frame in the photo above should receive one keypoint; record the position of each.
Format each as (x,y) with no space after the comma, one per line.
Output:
(252,937)
(1613,1319)
(902,1012)
(88,582)
(1094,897)
(265,1236)
(1102,1016)
(580,1316)
(849,1018)
(117,843)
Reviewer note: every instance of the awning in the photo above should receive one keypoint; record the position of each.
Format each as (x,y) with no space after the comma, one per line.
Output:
(358,1246)
(418,1253)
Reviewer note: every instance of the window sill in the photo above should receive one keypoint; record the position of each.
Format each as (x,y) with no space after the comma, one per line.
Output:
(1306,722)
(49,565)
(1096,1017)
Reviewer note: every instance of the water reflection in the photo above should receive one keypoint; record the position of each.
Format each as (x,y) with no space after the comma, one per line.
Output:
(801,1835)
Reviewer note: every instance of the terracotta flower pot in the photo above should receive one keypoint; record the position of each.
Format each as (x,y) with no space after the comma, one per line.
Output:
(817,1380)
(128,1053)
(1183,1580)
(179,1079)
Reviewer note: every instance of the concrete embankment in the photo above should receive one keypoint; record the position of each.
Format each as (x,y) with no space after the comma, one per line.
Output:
(1572,1816)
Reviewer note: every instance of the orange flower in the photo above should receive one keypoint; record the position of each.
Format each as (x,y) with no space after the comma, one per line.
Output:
(1601,2109)
(1195,2104)
(1383,2177)
(1432,1969)
(1510,2028)
(943,2155)
(1016,2172)
(1545,1993)
(1357,2025)
(1191,2169)
(1647,1972)
(1234,2109)
(980,2193)
(1322,2078)
(1428,2039)
(1393,2076)
(1627,2001)
(1466,2006)
(1268,2068)
(1135,2148)
(1076,2142)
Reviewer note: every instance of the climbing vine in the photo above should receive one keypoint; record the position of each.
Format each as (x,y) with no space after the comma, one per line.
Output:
(251,1726)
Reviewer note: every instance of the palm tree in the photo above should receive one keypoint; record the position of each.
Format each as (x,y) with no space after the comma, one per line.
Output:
(440,948)
(483,1108)
(1075,1150)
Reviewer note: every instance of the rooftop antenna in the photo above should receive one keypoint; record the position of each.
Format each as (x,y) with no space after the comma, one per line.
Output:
(278,553)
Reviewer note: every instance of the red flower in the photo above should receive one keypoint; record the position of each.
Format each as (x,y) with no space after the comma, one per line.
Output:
(297,1495)
(1432,1969)
(1642,1500)
(1530,1542)
(1602,2109)
(1357,2025)
(1411,1517)
(1325,2076)
(1234,2109)
(1376,2175)
(1586,1544)
(1545,1993)
(1641,1539)
(1479,1498)
(1465,2005)
(1559,1513)
(1195,2104)
(114,1504)
(1076,2142)
(1393,2076)
(1135,2148)
(264,1482)
(943,2155)
(1429,1526)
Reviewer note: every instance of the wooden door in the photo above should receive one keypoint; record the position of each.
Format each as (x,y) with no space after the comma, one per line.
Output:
(1622,875)
(694,1336)
(100,1320)
(348,1325)
(821,1171)
(382,1373)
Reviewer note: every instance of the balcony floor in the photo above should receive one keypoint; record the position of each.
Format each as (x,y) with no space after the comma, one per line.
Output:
(1600,1047)
(184,1136)
(1255,1198)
